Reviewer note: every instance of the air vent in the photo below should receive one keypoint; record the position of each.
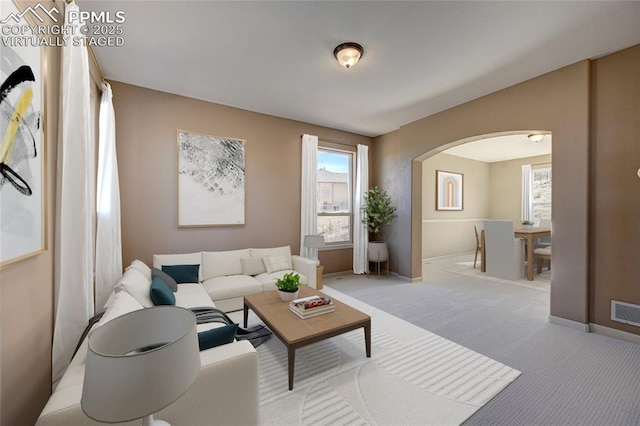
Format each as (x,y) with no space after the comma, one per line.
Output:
(625,312)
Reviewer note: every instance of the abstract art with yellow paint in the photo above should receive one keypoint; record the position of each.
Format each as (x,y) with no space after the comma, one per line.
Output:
(21,151)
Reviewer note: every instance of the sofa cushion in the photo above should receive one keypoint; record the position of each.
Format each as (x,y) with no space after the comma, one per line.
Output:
(160,293)
(276,251)
(123,303)
(217,336)
(134,283)
(220,288)
(141,267)
(182,273)
(222,263)
(277,263)
(252,265)
(168,280)
(178,259)
(193,296)
(268,279)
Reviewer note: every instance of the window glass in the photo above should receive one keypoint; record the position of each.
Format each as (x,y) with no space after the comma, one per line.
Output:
(541,199)
(334,180)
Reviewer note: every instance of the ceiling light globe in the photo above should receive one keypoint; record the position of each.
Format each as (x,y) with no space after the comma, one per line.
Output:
(348,54)
(536,137)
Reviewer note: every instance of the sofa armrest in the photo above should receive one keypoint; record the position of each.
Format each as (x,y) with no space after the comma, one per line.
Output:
(306,267)
(226,391)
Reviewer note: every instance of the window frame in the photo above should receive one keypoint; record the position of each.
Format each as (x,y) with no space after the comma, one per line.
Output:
(330,148)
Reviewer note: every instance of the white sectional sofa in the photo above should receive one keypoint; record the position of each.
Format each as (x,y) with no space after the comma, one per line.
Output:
(206,402)
(228,276)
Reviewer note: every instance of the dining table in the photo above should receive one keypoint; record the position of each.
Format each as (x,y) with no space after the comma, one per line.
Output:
(530,234)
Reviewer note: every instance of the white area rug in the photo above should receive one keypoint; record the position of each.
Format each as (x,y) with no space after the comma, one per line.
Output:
(413,377)
(540,281)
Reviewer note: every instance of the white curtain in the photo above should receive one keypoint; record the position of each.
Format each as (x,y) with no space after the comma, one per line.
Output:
(108,237)
(308,207)
(527,193)
(75,201)
(360,233)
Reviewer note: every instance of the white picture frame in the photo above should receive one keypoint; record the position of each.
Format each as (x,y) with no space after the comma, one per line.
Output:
(449,191)
(211,180)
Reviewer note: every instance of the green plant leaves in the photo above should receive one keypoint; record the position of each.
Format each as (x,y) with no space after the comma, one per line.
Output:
(289,282)
(379,210)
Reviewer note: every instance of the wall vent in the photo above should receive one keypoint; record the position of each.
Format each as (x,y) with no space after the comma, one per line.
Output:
(625,312)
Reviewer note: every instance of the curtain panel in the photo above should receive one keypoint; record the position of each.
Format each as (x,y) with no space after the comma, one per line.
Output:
(75,201)
(527,193)
(108,234)
(360,234)
(308,208)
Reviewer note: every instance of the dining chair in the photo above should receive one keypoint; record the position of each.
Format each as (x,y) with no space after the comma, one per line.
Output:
(478,245)
(546,241)
(504,253)
(540,255)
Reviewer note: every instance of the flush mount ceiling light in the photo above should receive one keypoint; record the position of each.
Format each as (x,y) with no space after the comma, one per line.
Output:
(348,54)
(536,137)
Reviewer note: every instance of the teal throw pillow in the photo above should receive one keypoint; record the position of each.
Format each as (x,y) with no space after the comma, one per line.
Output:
(183,273)
(170,282)
(160,293)
(217,336)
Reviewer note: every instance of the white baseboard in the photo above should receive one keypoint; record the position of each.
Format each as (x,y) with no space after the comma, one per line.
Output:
(405,279)
(612,332)
(569,323)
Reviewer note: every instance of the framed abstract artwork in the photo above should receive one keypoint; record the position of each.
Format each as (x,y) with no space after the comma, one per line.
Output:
(211,176)
(22,153)
(449,190)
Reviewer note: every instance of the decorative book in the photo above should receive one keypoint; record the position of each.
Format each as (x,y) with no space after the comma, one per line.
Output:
(312,306)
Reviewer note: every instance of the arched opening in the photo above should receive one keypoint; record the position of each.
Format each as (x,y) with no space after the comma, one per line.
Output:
(493,167)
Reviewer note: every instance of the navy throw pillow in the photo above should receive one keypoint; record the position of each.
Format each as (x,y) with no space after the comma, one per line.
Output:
(217,336)
(183,273)
(170,282)
(160,293)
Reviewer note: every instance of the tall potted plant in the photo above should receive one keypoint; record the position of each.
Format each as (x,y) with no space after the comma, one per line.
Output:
(378,213)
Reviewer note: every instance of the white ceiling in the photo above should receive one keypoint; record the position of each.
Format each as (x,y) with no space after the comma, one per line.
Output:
(420,57)
(502,148)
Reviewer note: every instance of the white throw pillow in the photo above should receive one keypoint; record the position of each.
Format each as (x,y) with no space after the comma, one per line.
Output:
(222,263)
(123,303)
(277,263)
(141,267)
(252,266)
(134,283)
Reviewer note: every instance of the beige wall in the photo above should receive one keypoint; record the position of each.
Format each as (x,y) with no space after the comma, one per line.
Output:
(557,102)
(591,108)
(26,304)
(506,187)
(146,126)
(615,185)
(491,191)
(448,232)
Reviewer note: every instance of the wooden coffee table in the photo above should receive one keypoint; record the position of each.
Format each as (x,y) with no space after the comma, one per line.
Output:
(296,332)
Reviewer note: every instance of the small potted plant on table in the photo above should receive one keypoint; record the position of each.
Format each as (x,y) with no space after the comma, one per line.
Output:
(288,286)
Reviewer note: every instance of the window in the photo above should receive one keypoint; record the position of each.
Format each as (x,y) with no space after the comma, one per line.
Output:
(541,199)
(335,188)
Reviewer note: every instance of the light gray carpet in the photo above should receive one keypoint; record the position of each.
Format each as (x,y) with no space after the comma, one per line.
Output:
(413,377)
(568,377)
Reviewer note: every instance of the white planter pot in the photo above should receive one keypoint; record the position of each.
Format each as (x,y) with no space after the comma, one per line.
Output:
(287,296)
(378,251)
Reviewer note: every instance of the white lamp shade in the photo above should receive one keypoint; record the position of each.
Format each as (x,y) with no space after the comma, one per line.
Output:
(123,383)
(314,241)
